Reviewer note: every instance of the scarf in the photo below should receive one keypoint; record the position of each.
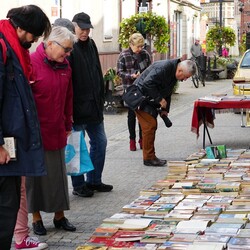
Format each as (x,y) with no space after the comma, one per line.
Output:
(22,54)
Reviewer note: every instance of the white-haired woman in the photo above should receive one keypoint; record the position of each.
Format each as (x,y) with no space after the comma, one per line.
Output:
(52,90)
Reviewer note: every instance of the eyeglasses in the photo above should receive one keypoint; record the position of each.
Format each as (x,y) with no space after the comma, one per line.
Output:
(66,50)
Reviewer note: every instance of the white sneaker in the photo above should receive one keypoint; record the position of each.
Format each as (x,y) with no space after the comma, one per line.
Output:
(30,243)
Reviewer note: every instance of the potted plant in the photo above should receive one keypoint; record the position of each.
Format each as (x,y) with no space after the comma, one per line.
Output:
(111,77)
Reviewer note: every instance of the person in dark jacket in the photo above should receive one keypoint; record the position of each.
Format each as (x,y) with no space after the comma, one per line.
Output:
(131,63)
(88,105)
(18,116)
(157,83)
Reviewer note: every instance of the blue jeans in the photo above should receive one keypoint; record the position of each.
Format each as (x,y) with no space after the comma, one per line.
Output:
(98,145)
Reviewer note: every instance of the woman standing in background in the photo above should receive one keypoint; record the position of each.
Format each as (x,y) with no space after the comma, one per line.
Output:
(131,63)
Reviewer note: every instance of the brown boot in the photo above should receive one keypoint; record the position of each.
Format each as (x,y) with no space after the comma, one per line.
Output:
(140,143)
(132,145)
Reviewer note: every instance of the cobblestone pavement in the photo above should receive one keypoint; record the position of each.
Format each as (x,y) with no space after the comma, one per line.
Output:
(124,169)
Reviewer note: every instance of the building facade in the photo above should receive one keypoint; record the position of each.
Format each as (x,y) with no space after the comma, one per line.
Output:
(221,13)
(183,17)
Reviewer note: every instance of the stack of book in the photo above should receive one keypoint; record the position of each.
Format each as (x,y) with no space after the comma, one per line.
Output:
(176,170)
(206,207)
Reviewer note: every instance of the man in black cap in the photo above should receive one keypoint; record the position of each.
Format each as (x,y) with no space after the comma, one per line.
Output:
(88,105)
(18,117)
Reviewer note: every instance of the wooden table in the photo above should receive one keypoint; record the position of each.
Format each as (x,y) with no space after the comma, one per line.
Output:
(204,111)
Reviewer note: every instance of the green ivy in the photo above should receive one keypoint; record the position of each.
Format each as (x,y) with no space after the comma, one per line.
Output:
(218,36)
(149,24)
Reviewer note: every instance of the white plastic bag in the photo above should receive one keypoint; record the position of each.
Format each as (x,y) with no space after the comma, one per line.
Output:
(77,157)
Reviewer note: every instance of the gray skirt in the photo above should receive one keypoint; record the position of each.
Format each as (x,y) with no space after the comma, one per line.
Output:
(49,193)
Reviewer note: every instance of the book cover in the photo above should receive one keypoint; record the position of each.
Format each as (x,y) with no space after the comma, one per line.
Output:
(212,238)
(206,246)
(177,217)
(10,146)
(124,235)
(179,185)
(105,234)
(239,243)
(227,225)
(206,217)
(151,191)
(119,218)
(159,208)
(243,232)
(136,246)
(91,247)
(155,238)
(191,226)
(183,237)
(156,229)
(174,245)
(120,239)
(134,208)
(221,231)
(154,216)
(174,199)
(135,224)
(237,209)
(228,186)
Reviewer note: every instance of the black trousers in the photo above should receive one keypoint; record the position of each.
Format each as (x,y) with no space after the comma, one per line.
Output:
(9,205)
(131,125)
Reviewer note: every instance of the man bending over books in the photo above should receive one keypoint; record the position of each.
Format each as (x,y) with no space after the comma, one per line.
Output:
(157,83)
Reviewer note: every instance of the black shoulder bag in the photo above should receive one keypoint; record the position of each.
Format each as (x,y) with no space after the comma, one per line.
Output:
(133,97)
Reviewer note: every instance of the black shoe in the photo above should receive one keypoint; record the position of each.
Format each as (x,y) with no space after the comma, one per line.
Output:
(155,163)
(156,158)
(83,192)
(64,223)
(100,187)
(39,228)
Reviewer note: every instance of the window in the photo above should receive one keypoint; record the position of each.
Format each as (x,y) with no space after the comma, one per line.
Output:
(107,20)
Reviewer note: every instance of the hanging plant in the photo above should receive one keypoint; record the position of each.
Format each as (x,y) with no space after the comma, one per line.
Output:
(218,36)
(150,24)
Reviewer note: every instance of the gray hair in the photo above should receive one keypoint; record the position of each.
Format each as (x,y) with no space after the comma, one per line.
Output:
(64,22)
(188,66)
(60,34)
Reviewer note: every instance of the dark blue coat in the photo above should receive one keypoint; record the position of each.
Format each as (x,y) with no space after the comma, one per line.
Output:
(18,118)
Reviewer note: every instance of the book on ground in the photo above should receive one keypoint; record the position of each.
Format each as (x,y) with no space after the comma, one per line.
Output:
(135,224)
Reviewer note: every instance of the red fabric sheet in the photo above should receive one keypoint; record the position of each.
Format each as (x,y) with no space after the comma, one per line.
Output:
(206,108)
